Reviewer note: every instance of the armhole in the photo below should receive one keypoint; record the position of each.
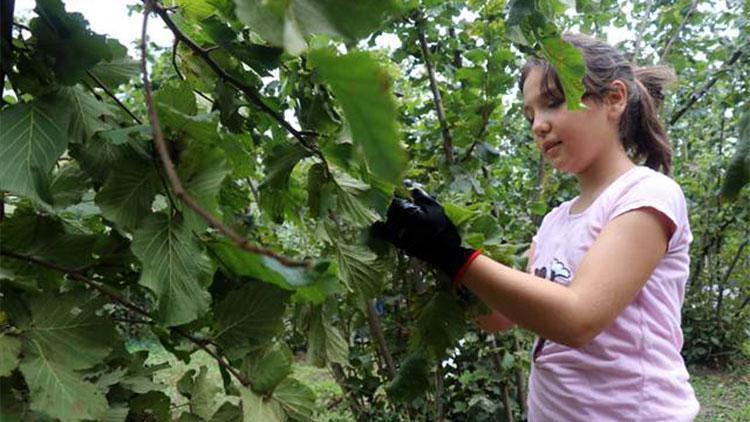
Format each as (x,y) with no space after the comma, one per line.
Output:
(668,224)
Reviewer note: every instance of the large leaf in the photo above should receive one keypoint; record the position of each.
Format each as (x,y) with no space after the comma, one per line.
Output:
(174,268)
(65,329)
(127,194)
(57,391)
(738,172)
(440,325)
(309,284)
(67,39)
(363,89)
(570,67)
(297,399)
(85,113)
(326,344)
(117,70)
(280,163)
(250,316)
(201,392)
(360,269)
(287,23)
(266,371)
(258,408)
(202,170)
(10,348)
(32,140)
(412,379)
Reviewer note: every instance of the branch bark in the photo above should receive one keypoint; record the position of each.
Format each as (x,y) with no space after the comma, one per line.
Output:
(728,274)
(447,140)
(641,29)
(695,96)
(6,41)
(676,34)
(377,333)
(169,168)
(117,297)
(114,98)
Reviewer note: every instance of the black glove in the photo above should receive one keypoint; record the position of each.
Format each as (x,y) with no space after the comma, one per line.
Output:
(421,229)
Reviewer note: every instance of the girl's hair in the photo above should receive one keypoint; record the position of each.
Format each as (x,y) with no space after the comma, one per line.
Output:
(641,132)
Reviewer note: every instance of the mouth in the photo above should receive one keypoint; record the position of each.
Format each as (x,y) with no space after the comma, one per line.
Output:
(549,145)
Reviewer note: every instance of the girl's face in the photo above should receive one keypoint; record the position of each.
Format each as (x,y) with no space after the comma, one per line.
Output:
(570,140)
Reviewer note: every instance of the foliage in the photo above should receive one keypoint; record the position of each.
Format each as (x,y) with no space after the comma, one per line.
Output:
(288,125)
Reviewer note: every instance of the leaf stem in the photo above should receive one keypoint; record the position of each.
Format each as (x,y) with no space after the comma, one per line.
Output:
(169,167)
(111,95)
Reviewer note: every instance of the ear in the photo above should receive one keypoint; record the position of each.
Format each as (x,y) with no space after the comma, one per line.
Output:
(617,99)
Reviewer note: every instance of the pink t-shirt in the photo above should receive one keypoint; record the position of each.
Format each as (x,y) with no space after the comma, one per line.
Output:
(633,370)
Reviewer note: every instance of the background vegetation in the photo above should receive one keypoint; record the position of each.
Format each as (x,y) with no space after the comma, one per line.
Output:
(186,236)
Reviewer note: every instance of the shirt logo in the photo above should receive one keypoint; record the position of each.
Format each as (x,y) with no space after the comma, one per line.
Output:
(557,271)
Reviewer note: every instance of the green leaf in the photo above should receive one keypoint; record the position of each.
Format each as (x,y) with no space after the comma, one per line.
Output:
(738,172)
(258,408)
(66,329)
(178,96)
(266,371)
(250,316)
(32,140)
(201,392)
(68,185)
(363,89)
(174,268)
(56,390)
(348,195)
(118,70)
(280,163)
(326,344)
(440,325)
(570,67)
(297,399)
(10,348)
(202,170)
(85,113)
(458,215)
(412,379)
(129,190)
(66,38)
(360,269)
(287,23)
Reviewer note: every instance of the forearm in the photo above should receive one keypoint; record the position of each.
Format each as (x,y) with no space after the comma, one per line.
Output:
(549,309)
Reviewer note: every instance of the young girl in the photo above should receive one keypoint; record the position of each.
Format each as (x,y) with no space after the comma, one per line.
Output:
(609,267)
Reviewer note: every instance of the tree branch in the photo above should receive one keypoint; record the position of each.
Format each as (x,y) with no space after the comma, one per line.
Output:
(249,92)
(111,95)
(447,140)
(168,165)
(6,41)
(641,30)
(676,34)
(116,296)
(377,333)
(695,96)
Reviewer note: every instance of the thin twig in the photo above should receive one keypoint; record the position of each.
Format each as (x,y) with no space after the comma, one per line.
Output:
(174,58)
(695,96)
(111,95)
(641,29)
(676,34)
(119,298)
(254,97)
(376,332)
(169,167)
(447,140)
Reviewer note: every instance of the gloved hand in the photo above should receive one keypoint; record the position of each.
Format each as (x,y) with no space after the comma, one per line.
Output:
(421,229)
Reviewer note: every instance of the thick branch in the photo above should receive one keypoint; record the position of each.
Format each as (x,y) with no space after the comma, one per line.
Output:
(111,95)
(174,179)
(695,96)
(447,140)
(6,40)
(676,34)
(377,333)
(122,300)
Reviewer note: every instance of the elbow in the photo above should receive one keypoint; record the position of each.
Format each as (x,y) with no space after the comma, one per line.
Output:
(581,334)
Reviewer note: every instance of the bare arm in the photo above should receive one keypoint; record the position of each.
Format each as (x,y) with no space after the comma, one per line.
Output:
(609,277)
(496,321)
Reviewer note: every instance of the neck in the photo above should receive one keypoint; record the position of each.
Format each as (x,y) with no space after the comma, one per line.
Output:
(600,174)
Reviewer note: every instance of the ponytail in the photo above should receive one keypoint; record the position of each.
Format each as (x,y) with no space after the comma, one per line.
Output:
(640,130)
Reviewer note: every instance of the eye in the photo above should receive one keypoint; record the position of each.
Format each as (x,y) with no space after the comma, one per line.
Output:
(554,102)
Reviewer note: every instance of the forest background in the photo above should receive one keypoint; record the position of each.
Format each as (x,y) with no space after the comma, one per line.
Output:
(187,236)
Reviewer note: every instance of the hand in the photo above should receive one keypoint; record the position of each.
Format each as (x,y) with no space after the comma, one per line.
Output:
(421,229)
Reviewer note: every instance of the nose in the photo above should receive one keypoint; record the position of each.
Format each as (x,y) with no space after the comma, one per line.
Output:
(541,126)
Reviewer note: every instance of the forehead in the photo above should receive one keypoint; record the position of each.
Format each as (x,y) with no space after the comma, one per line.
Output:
(532,86)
